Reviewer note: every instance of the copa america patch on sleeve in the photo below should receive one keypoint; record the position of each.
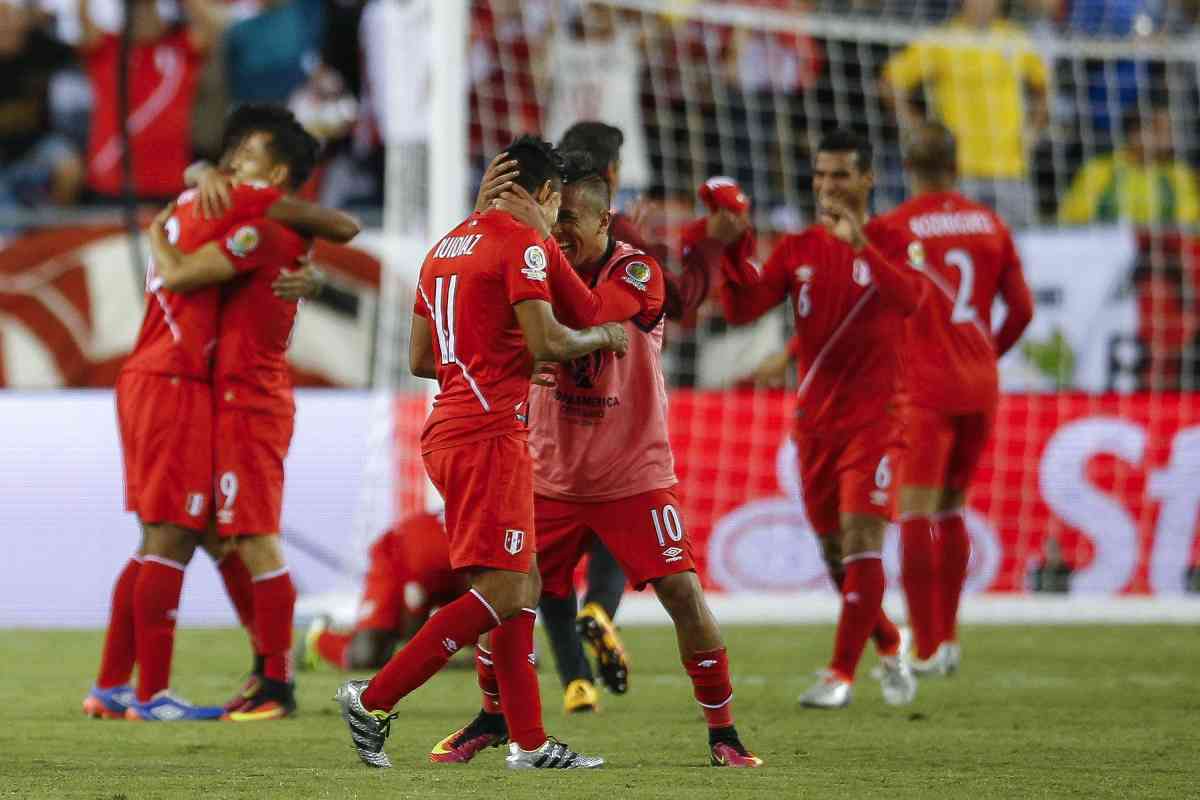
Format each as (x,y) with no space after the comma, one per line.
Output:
(535,263)
(916,254)
(244,241)
(637,274)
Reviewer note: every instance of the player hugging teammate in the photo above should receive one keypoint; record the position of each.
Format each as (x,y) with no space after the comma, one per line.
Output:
(204,407)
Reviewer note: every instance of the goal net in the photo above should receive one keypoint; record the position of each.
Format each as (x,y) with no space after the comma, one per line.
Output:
(1086,145)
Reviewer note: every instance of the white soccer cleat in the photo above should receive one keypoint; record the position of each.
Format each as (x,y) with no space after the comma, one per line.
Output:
(932,667)
(898,682)
(553,754)
(829,691)
(951,655)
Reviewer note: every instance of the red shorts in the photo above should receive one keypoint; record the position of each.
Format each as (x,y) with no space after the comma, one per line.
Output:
(248,461)
(644,533)
(848,473)
(166,429)
(943,449)
(488,489)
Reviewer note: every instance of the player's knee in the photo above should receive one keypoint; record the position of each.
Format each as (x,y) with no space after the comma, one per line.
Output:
(506,592)
(262,554)
(681,596)
(919,500)
(216,546)
(170,542)
(862,533)
(952,500)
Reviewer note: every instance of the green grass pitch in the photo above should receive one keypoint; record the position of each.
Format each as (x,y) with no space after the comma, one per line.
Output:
(1037,712)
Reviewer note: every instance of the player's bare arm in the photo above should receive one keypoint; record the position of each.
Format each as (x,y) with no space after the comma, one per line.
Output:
(314,220)
(184,273)
(550,340)
(421,359)
(304,283)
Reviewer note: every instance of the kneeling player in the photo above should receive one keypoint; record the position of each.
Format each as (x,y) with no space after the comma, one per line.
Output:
(603,468)
(408,577)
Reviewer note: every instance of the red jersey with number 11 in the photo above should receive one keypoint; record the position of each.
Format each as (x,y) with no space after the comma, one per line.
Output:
(970,259)
(469,283)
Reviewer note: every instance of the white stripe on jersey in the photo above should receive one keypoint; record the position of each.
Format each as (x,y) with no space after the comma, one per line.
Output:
(837,334)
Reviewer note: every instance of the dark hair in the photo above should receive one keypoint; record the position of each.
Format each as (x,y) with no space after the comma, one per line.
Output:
(603,142)
(580,172)
(290,143)
(844,140)
(537,162)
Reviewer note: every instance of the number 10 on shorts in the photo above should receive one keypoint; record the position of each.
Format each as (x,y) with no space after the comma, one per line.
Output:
(667,525)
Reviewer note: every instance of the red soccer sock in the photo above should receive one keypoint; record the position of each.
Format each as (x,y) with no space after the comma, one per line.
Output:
(709,671)
(886,635)
(464,620)
(239,585)
(919,577)
(955,545)
(516,676)
(155,604)
(274,607)
(862,596)
(331,646)
(117,658)
(489,687)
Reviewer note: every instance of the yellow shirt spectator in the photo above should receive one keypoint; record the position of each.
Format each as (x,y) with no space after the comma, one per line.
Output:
(977,79)
(1115,188)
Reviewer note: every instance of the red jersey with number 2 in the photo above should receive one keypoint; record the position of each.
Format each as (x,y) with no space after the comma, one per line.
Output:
(970,259)
(179,330)
(849,309)
(469,283)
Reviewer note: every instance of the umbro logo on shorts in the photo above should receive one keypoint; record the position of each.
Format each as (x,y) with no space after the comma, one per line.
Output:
(195,504)
(514,541)
(450,645)
(673,554)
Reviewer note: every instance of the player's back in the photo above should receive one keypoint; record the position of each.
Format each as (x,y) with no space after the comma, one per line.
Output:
(179,329)
(255,325)
(469,283)
(951,357)
(416,551)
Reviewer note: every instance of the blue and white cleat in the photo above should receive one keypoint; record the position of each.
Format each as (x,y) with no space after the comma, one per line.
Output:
(109,703)
(165,707)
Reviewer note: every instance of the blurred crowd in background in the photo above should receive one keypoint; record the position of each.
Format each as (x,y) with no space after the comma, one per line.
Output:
(1073,138)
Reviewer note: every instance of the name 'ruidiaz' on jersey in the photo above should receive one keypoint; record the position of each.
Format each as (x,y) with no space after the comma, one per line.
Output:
(849,312)
(469,282)
(970,259)
(601,433)
(179,330)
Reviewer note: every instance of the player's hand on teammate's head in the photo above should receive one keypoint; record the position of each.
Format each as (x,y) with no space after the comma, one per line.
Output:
(520,204)
(618,338)
(726,226)
(545,373)
(215,190)
(497,179)
(304,283)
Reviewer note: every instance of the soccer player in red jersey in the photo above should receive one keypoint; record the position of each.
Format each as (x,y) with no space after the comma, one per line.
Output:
(408,577)
(953,386)
(254,408)
(603,466)
(165,416)
(482,316)
(851,288)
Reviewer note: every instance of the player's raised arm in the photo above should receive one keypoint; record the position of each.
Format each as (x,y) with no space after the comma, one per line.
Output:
(1018,302)
(886,252)
(746,294)
(550,340)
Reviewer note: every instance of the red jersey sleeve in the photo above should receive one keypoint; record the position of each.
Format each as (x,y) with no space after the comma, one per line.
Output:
(745,302)
(635,291)
(260,243)
(1018,299)
(525,268)
(895,257)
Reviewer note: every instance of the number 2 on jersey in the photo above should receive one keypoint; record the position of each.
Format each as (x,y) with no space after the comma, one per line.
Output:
(443,316)
(963,310)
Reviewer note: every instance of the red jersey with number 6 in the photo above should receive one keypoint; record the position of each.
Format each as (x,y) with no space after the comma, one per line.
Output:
(849,310)
(179,330)
(469,283)
(970,259)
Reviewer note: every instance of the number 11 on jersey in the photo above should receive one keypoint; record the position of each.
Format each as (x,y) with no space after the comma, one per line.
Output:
(443,316)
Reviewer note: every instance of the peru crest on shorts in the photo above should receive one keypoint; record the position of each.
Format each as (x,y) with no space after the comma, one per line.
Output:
(514,541)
